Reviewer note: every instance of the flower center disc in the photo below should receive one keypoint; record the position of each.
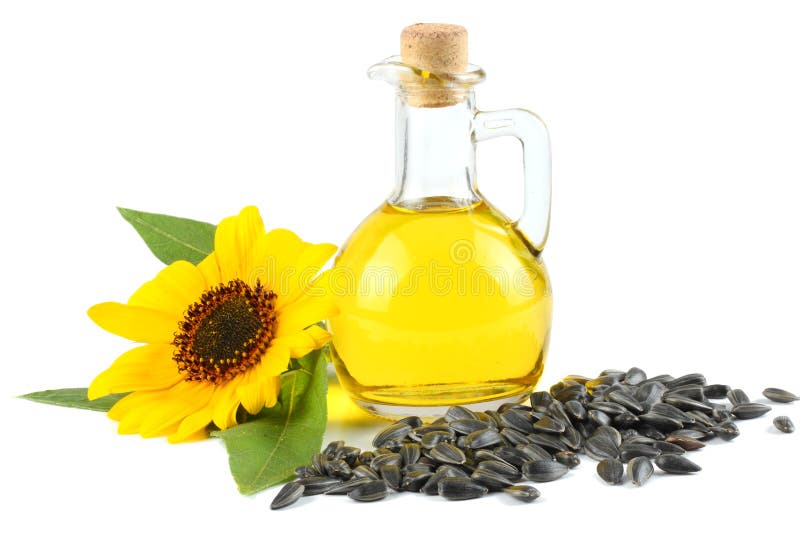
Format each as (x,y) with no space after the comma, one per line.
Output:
(226,332)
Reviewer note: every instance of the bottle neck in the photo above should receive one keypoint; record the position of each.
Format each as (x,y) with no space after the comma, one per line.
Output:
(434,155)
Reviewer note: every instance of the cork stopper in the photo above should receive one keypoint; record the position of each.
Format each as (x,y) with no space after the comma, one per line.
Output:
(438,49)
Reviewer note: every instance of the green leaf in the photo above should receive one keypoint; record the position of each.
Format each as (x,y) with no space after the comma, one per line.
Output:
(74,398)
(265,451)
(172,238)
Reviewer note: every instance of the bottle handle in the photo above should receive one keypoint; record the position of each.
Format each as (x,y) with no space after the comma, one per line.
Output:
(532,134)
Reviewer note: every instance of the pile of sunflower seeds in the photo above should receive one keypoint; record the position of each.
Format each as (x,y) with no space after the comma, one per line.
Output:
(619,418)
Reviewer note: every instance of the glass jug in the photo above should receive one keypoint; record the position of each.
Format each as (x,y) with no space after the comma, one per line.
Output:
(442,299)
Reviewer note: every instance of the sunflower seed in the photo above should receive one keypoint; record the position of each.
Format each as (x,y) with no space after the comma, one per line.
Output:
(685,403)
(305,471)
(459,412)
(523,493)
(513,437)
(556,411)
(668,448)
(749,410)
(391,474)
(700,417)
(625,420)
(535,452)
(629,451)
(611,470)
(481,439)
(635,376)
(540,400)
(668,410)
(608,408)
(332,447)
(501,468)
(687,444)
(548,441)
(433,438)
(365,471)
(550,425)
(338,469)
(574,391)
(692,433)
(410,453)
(420,466)
(660,421)
(318,462)
(384,459)
(575,410)
(431,486)
(599,449)
(415,480)
(651,432)
(483,455)
(780,395)
(412,420)
(460,489)
(490,479)
(345,487)
(640,470)
(374,490)
(572,438)
(726,431)
(395,432)
(676,464)
(318,485)
(468,426)
(512,456)
(737,396)
(716,391)
(609,433)
(626,400)
(693,391)
(606,380)
(447,453)
(543,470)
(288,495)
(784,424)
(685,380)
(418,433)
(569,459)
(599,418)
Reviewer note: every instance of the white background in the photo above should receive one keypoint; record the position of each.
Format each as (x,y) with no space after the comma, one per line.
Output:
(674,237)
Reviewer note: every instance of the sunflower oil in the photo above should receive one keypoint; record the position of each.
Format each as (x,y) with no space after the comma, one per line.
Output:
(438,306)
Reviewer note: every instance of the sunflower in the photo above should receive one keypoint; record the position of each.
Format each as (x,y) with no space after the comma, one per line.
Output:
(217,335)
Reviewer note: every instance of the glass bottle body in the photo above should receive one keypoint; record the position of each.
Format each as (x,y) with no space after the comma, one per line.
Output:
(442,300)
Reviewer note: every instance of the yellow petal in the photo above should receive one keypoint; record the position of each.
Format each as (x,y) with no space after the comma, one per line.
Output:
(234,242)
(141,404)
(305,311)
(307,266)
(184,399)
(191,426)
(226,250)
(302,342)
(172,290)
(249,227)
(144,368)
(209,268)
(272,387)
(273,259)
(135,322)
(275,360)
(251,393)
(225,403)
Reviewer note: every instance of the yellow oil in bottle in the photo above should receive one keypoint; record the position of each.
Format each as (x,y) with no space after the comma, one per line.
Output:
(438,306)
